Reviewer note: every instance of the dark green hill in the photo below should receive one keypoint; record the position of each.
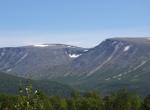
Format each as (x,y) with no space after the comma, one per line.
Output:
(10,84)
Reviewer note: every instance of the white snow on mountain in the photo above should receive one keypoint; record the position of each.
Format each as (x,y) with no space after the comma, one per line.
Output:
(8,70)
(86,50)
(126,48)
(69,46)
(74,55)
(41,45)
(107,79)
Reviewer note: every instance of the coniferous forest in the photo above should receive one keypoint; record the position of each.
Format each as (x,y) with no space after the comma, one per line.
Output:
(29,99)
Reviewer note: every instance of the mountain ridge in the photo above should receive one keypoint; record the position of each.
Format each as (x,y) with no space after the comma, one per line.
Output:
(114,62)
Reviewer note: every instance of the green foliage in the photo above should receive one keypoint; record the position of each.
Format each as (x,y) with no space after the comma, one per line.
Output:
(9,84)
(122,100)
(58,103)
(29,99)
(146,103)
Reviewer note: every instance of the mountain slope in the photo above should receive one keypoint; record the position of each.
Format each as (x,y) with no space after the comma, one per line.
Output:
(10,84)
(113,64)
(113,53)
(30,61)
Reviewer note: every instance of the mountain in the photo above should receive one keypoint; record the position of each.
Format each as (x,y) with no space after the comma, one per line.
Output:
(119,53)
(10,84)
(31,61)
(113,64)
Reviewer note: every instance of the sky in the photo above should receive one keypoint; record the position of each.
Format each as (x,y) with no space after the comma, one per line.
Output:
(82,23)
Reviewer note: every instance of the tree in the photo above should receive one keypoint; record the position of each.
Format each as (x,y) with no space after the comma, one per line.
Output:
(123,100)
(146,103)
(58,103)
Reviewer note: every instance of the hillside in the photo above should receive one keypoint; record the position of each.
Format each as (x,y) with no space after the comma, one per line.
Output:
(10,85)
(31,61)
(115,63)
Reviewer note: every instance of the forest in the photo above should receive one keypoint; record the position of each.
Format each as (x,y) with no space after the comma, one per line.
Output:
(29,99)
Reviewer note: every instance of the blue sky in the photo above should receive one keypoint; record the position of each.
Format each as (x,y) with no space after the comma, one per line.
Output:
(78,22)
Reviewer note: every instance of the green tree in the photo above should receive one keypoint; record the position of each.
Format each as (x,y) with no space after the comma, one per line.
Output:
(146,103)
(123,100)
(108,102)
(58,103)
(71,104)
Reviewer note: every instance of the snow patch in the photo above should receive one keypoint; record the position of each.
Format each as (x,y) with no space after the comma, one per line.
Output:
(42,45)
(114,77)
(126,48)
(114,42)
(119,75)
(74,55)
(107,79)
(9,70)
(69,46)
(86,50)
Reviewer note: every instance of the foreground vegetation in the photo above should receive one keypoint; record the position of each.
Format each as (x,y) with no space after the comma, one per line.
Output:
(27,99)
